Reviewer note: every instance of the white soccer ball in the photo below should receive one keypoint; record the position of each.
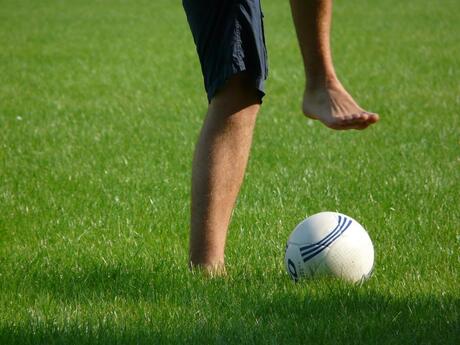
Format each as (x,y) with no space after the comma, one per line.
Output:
(329,244)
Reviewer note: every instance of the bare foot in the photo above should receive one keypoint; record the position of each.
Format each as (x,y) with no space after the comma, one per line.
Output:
(209,270)
(333,106)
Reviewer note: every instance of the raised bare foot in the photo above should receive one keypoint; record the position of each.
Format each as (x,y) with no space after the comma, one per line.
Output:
(333,106)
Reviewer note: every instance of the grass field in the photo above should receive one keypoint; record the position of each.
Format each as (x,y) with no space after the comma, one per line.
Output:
(100,106)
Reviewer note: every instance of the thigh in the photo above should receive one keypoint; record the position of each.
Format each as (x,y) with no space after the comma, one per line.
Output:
(229,39)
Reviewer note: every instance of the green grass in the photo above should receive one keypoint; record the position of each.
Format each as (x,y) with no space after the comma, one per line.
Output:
(100,106)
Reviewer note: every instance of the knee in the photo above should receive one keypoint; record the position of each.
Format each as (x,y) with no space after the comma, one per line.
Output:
(238,94)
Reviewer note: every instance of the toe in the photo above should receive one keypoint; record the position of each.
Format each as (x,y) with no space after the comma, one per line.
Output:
(372,117)
(354,121)
(360,117)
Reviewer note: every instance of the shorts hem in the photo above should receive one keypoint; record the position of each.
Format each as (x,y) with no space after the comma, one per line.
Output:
(258,82)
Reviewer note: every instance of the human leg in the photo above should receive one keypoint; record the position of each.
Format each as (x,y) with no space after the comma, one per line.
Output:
(325,98)
(219,164)
(230,45)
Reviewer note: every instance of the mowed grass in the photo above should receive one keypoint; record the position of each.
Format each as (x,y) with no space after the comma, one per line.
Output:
(100,106)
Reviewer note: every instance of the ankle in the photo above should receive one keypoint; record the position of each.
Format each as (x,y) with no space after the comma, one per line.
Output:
(206,258)
(322,82)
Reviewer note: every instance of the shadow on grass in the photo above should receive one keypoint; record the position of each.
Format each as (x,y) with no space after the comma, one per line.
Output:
(116,305)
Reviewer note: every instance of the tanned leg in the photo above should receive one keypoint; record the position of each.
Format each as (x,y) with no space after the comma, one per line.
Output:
(219,164)
(325,99)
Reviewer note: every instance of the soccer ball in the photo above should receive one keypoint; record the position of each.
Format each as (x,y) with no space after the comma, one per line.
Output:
(329,244)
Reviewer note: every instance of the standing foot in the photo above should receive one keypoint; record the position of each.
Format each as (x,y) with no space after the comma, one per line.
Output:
(209,270)
(333,106)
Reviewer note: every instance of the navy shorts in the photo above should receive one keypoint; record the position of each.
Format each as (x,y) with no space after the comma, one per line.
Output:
(229,39)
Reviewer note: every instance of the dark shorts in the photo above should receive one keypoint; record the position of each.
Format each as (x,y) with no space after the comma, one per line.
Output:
(229,38)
